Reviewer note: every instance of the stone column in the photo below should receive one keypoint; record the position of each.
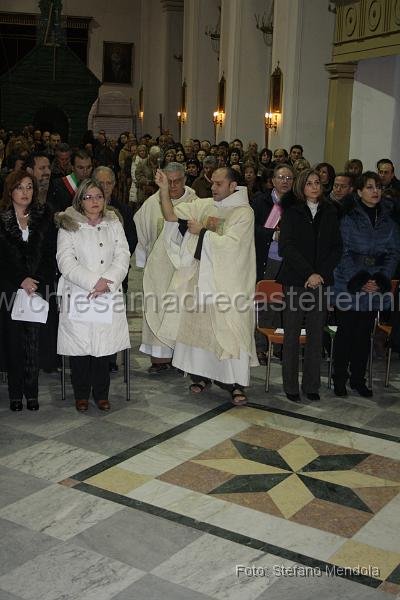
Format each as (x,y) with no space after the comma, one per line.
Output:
(160,73)
(200,68)
(245,62)
(303,37)
(173,49)
(338,122)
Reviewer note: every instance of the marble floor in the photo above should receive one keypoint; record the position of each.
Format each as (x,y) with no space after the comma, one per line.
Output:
(174,496)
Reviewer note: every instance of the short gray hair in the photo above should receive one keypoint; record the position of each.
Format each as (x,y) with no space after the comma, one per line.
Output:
(173,167)
(103,168)
(210,161)
(283,166)
(154,151)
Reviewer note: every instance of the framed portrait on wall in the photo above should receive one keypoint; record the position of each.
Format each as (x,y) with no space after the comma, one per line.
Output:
(118,61)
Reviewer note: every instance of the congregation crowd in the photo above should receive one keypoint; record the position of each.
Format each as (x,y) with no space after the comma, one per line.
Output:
(200,217)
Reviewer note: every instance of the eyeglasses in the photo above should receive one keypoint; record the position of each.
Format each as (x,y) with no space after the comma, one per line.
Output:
(97,197)
(284,177)
(341,186)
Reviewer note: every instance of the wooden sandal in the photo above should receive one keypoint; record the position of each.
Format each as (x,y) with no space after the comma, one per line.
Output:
(200,385)
(238,396)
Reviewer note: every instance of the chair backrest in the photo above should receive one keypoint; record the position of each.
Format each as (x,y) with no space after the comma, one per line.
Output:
(394,284)
(269,291)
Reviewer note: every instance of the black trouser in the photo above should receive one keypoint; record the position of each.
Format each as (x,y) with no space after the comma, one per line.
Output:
(304,308)
(22,358)
(90,373)
(225,386)
(351,345)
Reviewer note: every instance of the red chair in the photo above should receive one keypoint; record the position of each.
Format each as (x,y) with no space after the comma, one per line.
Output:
(386,330)
(270,292)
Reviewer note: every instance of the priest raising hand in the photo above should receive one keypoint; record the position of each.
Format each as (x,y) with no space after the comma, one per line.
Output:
(213,344)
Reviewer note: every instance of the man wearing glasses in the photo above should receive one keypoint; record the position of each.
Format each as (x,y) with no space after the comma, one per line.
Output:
(267,214)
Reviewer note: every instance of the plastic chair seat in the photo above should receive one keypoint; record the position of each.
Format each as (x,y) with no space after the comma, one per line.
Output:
(277,338)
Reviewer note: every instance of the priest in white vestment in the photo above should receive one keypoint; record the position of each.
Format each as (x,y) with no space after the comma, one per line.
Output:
(156,251)
(212,330)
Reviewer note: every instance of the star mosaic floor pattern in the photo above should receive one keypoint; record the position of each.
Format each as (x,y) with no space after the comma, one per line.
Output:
(182,497)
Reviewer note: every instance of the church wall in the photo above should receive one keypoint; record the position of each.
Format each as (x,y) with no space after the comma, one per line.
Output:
(375,118)
(303,35)
(245,61)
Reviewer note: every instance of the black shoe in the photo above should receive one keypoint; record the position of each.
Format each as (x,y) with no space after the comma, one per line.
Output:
(16,405)
(313,397)
(340,390)
(294,398)
(362,389)
(113,368)
(32,404)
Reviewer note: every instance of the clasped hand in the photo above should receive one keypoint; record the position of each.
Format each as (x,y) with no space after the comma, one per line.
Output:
(370,286)
(314,281)
(100,288)
(29,285)
(195,227)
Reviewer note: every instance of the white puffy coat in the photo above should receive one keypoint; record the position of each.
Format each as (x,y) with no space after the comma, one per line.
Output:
(84,254)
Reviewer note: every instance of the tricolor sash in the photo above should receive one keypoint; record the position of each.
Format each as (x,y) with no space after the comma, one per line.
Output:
(71,183)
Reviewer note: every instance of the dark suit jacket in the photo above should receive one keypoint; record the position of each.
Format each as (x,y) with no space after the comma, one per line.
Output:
(262,205)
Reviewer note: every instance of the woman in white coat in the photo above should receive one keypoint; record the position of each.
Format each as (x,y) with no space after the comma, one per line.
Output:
(93,258)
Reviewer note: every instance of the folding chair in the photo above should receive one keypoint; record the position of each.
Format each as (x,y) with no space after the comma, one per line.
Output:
(331,333)
(127,375)
(270,292)
(386,329)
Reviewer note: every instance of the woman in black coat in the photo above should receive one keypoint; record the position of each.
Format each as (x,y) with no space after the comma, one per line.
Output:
(310,246)
(27,261)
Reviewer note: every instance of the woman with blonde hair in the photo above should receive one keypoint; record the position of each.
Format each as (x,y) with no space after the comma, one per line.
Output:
(93,258)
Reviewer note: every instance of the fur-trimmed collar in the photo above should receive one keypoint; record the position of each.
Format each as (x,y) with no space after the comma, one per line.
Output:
(71,219)
(289,200)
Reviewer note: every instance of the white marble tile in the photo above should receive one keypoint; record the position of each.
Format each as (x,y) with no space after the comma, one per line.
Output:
(70,573)
(151,423)
(52,460)
(279,532)
(48,422)
(178,499)
(358,415)
(171,415)
(209,565)
(383,530)
(213,432)
(59,511)
(151,462)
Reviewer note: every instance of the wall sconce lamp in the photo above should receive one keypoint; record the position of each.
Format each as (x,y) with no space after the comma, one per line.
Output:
(218,118)
(181,115)
(271,121)
(141,111)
